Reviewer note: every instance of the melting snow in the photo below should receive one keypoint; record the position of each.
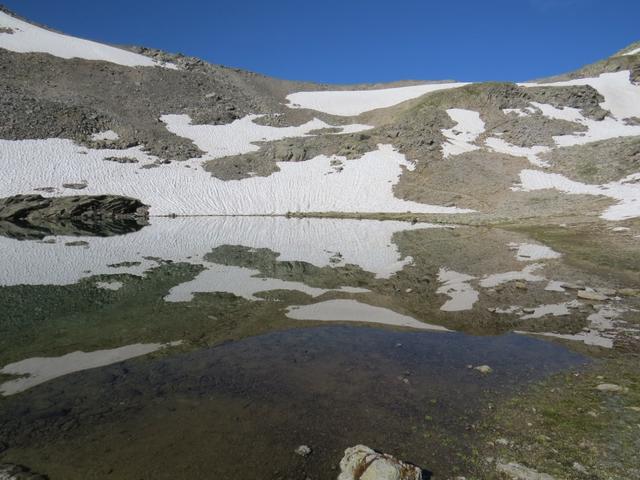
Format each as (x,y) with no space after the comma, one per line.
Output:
(353,311)
(460,138)
(526,275)
(456,286)
(526,252)
(42,369)
(520,112)
(600,332)
(354,102)
(626,191)
(555,286)
(29,38)
(557,310)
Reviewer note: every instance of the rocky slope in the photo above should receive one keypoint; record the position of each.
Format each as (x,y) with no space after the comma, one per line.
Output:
(190,138)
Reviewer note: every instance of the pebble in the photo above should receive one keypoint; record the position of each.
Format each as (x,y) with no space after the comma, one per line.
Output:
(579,468)
(610,387)
(303,450)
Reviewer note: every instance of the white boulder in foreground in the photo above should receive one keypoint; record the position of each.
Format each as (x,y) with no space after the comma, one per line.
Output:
(362,463)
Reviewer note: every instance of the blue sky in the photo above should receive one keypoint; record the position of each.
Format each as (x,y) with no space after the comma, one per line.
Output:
(351,41)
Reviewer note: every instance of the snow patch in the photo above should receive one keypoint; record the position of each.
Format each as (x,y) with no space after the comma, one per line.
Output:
(106,135)
(113,286)
(354,102)
(601,331)
(520,112)
(460,138)
(557,310)
(526,274)
(29,38)
(555,286)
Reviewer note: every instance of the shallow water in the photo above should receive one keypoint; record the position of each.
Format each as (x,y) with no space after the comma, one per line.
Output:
(213,347)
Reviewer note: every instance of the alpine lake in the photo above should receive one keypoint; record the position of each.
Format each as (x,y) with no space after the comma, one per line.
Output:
(214,347)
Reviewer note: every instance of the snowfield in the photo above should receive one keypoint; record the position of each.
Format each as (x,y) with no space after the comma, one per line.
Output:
(348,103)
(30,38)
(604,129)
(184,188)
(621,96)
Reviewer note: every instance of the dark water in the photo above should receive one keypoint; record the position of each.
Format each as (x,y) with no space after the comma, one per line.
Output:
(240,409)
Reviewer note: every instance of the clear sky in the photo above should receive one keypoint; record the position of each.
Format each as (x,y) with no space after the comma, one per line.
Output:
(351,41)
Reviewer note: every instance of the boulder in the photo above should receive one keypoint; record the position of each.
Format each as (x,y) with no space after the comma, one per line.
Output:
(363,463)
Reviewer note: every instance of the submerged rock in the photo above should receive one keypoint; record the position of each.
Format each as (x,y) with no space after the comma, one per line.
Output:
(363,463)
(26,217)
(29,207)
